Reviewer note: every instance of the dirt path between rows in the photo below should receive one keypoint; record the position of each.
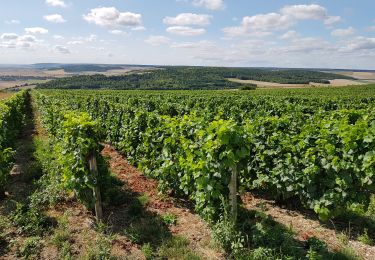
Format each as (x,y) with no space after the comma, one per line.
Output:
(81,222)
(197,231)
(306,226)
(189,224)
(19,185)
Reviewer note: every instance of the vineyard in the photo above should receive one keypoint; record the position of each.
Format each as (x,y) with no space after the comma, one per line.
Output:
(12,118)
(317,150)
(313,149)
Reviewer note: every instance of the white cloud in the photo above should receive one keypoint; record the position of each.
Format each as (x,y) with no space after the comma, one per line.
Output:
(56,3)
(82,40)
(265,22)
(343,32)
(12,40)
(330,20)
(28,38)
(185,19)
(36,30)
(61,49)
(8,36)
(13,21)
(240,31)
(58,37)
(305,12)
(283,20)
(359,44)
(372,27)
(91,38)
(305,45)
(75,42)
(201,45)
(289,35)
(54,18)
(259,25)
(157,40)
(138,28)
(186,31)
(24,45)
(118,32)
(111,17)
(210,4)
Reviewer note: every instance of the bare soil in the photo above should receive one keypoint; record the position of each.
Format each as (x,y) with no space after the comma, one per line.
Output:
(363,75)
(306,225)
(4,95)
(333,83)
(189,224)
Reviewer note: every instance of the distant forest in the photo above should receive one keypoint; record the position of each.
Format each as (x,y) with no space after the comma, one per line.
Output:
(190,78)
(76,68)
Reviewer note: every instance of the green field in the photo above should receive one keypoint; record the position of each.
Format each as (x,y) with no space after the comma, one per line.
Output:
(310,148)
(193,78)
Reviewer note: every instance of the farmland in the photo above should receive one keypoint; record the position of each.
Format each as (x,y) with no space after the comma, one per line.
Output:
(301,155)
(330,83)
(4,95)
(185,78)
(187,129)
(27,76)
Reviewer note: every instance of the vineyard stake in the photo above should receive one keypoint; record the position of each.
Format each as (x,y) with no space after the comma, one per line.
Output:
(96,189)
(233,193)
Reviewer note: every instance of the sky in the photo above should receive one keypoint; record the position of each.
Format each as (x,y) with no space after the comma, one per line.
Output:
(254,33)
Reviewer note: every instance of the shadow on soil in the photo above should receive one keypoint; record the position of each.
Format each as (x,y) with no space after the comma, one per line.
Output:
(266,239)
(25,169)
(14,209)
(349,223)
(131,218)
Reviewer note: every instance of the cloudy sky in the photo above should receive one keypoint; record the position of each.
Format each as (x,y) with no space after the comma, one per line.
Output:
(330,34)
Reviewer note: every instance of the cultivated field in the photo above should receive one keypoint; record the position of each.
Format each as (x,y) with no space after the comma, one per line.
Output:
(20,84)
(285,171)
(358,74)
(28,74)
(300,160)
(4,95)
(333,83)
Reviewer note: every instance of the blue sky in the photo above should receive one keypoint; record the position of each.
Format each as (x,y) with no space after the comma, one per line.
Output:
(332,34)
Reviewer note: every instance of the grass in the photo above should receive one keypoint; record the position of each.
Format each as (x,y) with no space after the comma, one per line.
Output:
(31,221)
(62,239)
(346,253)
(100,246)
(147,251)
(257,236)
(147,230)
(176,248)
(5,224)
(169,219)
(137,205)
(30,249)
(365,238)
(151,232)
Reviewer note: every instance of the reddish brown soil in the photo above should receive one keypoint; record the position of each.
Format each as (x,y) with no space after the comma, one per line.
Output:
(306,225)
(4,95)
(188,224)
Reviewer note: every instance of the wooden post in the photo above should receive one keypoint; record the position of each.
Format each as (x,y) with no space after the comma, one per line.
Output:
(98,199)
(233,193)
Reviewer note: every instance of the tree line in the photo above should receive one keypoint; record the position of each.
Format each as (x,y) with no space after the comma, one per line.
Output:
(181,78)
